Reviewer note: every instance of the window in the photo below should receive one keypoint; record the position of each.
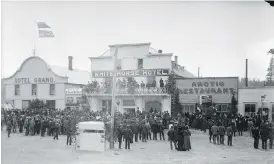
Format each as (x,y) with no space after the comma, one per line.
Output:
(250,110)
(33,89)
(25,104)
(222,108)
(140,63)
(190,108)
(17,90)
(50,104)
(52,89)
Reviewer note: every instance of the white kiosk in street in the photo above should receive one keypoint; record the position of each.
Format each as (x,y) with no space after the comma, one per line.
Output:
(91,136)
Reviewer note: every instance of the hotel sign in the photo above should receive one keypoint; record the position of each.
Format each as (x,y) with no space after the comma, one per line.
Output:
(38,80)
(132,73)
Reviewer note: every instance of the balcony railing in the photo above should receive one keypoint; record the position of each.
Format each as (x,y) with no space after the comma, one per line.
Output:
(127,91)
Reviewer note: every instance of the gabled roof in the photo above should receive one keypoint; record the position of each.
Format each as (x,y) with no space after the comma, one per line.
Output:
(75,76)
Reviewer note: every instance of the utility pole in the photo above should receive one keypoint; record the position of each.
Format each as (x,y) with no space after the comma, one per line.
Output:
(114,57)
(246,72)
(198,72)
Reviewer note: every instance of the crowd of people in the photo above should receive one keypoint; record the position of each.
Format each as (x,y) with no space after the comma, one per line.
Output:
(220,125)
(139,126)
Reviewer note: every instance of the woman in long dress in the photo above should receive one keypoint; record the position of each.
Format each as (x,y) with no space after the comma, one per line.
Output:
(187,144)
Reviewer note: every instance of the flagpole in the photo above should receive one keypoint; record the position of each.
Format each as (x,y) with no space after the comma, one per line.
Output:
(113,98)
(35,38)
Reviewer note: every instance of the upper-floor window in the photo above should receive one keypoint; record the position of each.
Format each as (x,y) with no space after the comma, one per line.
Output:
(17,90)
(33,89)
(140,63)
(52,89)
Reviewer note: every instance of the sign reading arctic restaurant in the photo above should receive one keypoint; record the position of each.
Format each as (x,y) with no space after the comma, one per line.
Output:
(129,73)
(221,88)
(37,80)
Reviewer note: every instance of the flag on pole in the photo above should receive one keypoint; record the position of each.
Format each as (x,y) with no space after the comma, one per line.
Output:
(44,30)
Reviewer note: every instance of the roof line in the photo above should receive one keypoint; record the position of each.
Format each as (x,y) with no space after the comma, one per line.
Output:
(25,61)
(210,77)
(132,44)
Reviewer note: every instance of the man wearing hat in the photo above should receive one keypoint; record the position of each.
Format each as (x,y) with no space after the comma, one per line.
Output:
(120,135)
(127,135)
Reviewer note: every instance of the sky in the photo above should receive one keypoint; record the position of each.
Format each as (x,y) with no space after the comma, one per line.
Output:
(215,36)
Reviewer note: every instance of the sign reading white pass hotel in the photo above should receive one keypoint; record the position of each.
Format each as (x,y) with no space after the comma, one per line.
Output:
(130,73)
(221,88)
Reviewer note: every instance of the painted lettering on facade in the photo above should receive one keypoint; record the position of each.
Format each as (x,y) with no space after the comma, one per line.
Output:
(74,91)
(208,87)
(39,80)
(132,73)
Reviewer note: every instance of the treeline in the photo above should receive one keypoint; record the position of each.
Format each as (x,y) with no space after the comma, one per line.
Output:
(251,83)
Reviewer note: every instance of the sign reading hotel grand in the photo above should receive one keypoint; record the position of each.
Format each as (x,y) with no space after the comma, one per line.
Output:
(221,88)
(132,73)
(38,80)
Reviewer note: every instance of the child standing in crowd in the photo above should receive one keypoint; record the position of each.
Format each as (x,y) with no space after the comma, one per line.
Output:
(171,137)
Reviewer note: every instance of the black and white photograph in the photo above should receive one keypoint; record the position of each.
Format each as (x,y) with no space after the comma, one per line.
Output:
(137,82)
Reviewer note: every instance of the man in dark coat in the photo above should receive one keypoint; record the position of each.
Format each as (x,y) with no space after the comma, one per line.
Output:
(135,131)
(256,136)
(9,126)
(161,130)
(154,129)
(56,127)
(222,133)
(229,133)
(144,132)
(120,135)
(264,135)
(21,124)
(43,128)
(127,135)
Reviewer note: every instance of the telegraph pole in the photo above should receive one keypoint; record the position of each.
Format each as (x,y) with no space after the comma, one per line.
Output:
(114,57)
(198,72)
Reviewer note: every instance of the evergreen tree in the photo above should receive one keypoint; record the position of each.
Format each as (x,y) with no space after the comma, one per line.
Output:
(175,95)
(234,103)
(131,84)
(36,103)
(270,70)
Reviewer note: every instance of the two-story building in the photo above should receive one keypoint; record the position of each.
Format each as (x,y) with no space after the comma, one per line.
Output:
(138,65)
(59,87)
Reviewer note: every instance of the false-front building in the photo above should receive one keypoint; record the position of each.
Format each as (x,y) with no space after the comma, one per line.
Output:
(59,87)
(142,73)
